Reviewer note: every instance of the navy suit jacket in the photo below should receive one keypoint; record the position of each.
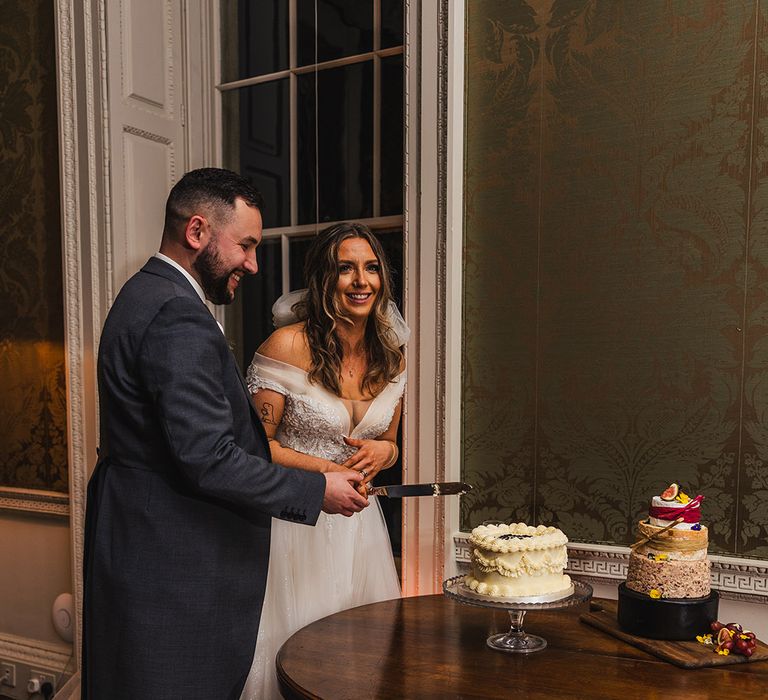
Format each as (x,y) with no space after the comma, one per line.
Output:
(179,506)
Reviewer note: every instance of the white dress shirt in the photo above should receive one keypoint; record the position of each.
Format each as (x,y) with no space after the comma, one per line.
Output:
(195,284)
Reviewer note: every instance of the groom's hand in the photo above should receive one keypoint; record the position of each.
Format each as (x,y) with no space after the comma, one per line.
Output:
(340,495)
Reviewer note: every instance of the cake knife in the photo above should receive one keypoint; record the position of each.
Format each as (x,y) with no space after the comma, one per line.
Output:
(445,488)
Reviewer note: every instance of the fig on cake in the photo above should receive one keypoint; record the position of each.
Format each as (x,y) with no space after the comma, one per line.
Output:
(670,493)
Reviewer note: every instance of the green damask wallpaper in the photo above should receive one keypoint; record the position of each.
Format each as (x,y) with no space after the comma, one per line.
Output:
(616,264)
(33,450)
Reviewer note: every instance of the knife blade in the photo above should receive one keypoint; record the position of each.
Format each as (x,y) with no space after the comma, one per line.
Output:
(445,488)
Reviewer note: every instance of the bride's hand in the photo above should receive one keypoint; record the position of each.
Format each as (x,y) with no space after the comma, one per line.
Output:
(371,457)
(335,467)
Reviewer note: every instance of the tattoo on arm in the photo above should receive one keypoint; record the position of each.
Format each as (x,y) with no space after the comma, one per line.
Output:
(268,414)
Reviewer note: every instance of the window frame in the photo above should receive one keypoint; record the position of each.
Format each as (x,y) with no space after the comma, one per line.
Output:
(294,229)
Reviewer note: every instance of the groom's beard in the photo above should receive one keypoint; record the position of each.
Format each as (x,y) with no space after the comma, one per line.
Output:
(213,278)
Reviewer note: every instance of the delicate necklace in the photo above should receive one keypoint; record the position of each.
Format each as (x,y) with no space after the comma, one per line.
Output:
(351,364)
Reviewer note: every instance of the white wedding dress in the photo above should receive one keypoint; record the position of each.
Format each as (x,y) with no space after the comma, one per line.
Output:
(341,562)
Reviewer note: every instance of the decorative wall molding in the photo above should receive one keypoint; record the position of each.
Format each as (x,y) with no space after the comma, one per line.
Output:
(433,59)
(141,133)
(107,280)
(142,103)
(35,653)
(31,501)
(85,204)
(426,58)
(146,134)
(69,162)
(735,578)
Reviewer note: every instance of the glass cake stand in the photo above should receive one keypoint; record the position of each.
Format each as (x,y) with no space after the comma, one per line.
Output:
(516,641)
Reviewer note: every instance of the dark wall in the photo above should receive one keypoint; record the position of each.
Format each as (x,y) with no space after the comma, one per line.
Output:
(616,264)
(33,450)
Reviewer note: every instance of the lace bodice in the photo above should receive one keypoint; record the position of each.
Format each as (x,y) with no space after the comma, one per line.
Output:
(314,419)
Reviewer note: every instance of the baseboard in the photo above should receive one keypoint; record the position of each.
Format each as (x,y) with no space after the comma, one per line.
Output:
(32,658)
(34,652)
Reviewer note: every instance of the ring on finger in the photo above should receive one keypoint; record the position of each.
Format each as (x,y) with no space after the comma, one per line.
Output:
(364,473)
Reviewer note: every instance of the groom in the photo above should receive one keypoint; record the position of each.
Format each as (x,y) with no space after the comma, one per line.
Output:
(179,505)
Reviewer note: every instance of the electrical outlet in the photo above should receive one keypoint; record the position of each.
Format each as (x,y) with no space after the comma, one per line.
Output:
(41,677)
(8,674)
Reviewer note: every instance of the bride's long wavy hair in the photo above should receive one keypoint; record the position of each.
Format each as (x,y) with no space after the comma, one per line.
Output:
(323,313)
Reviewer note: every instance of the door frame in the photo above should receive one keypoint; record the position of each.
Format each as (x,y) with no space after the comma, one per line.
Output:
(434,98)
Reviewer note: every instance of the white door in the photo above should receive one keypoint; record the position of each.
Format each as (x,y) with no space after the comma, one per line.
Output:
(146,150)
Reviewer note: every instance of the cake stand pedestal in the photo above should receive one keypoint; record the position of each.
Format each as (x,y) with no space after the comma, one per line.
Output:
(517,640)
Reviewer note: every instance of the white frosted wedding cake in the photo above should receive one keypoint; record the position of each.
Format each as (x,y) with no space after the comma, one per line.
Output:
(518,561)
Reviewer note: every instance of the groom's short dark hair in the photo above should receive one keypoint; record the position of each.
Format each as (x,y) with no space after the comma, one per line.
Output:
(213,189)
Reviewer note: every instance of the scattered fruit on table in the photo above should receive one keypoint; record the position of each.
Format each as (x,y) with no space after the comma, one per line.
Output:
(729,638)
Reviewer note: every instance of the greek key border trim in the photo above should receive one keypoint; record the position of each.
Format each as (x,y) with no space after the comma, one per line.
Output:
(735,578)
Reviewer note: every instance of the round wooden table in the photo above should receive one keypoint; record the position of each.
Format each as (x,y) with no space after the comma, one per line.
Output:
(432,647)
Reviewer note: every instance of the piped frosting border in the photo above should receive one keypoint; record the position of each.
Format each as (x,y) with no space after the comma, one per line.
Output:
(538,537)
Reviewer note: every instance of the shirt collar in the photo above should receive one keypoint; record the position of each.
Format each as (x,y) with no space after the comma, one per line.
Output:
(195,284)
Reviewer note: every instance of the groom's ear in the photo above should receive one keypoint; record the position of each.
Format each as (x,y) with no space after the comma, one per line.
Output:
(196,232)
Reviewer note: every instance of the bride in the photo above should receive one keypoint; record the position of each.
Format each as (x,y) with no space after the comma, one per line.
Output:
(328,385)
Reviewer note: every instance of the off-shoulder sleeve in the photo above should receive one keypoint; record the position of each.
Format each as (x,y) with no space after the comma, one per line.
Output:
(266,373)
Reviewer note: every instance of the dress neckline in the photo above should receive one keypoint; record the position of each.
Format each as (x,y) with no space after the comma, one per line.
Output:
(304,373)
(342,409)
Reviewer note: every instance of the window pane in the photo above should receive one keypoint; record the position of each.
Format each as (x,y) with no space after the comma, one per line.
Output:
(306,155)
(254,38)
(392,242)
(258,293)
(345,151)
(391,195)
(298,248)
(344,28)
(257,143)
(391,23)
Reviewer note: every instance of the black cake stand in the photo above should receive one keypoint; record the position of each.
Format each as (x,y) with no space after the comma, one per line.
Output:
(516,641)
(665,618)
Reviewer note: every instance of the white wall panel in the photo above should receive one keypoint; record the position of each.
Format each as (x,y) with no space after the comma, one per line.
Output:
(148,153)
(146,61)
(148,172)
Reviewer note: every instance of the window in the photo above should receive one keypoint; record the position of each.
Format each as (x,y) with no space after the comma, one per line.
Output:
(312,104)
(312,108)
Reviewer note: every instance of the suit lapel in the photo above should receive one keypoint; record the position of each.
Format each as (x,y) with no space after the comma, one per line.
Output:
(155,266)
